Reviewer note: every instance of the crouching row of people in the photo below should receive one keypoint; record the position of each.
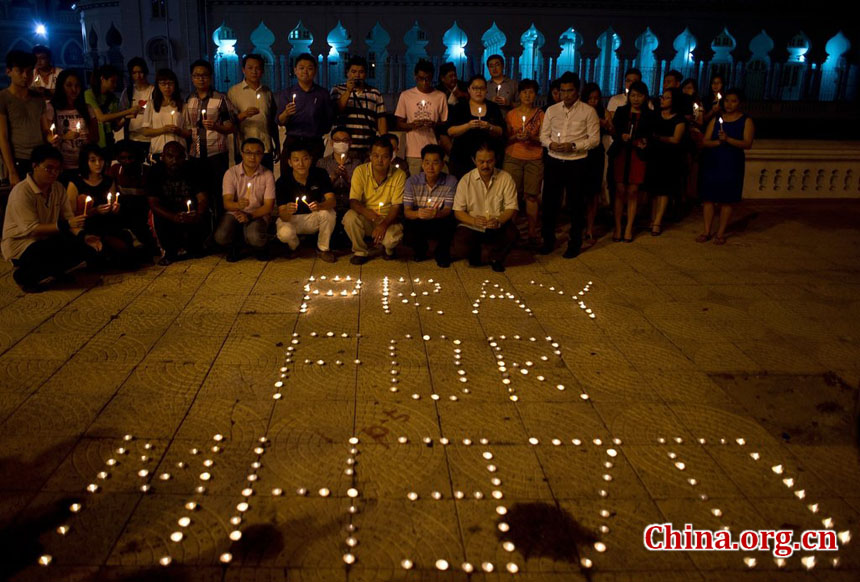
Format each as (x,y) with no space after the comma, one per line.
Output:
(383,206)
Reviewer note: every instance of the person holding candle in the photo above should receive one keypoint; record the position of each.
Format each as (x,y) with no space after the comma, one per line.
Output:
(248,193)
(485,205)
(449,84)
(22,122)
(397,161)
(92,193)
(524,154)
(420,112)
(631,75)
(255,109)
(694,113)
(46,74)
(375,199)
(361,107)
(340,165)
(129,177)
(500,89)
(570,130)
(42,237)
(306,202)
(666,167)
(723,162)
(100,96)
(139,91)
(208,114)
(163,119)
(67,111)
(634,124)
(713,101)
(307,111)
(428,199)
(179,205)
(596,161)
(472,123)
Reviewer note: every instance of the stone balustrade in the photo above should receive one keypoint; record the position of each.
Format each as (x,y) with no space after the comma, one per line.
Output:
(803,169)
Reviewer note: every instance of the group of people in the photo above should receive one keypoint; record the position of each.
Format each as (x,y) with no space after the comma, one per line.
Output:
(476,153)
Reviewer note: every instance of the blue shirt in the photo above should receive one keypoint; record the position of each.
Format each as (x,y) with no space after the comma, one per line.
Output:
(418,194)
(314,111)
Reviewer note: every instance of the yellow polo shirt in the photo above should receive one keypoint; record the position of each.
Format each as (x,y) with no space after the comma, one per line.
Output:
(365,188)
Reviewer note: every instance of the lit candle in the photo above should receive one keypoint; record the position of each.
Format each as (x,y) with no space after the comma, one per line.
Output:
(116,199)
(721,124)
(524,123)
(109,198)
(305,200)
(695,108)
(423,103)
(258,96)
(719,96)
(498,90)
(480,112)
(380,208)
(53,127)
(248,191)
(78,126)
(188,204)
(203,112)
(342,159)
(294,98)
(87,202)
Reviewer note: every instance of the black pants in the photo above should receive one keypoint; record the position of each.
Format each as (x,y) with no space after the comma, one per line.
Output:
(572,177)
(469,243)
(213,168)
(417,232)
(173,236)
(51,257)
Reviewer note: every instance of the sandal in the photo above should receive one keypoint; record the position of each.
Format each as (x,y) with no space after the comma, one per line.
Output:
(719,240)
(703,238)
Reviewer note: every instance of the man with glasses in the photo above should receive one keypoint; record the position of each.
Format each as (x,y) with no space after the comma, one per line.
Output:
(41,235)
(420,111)
(361,107)
(255,107)
(570,128)
(209,114)
(249,197)
(501,90)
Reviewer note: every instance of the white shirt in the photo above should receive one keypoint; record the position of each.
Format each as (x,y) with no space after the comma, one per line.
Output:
(157,119)
(476,198)
(236,182)
(578,125)
(138,97)
(262,125)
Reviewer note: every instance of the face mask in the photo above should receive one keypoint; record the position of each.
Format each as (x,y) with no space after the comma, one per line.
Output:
(340,147)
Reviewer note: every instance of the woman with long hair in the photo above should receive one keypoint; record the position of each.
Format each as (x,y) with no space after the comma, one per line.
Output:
(100,96)
(726,138)
(163,121)
(472,122)
(596,160)
(713,101)
(71,122)
(634,124)
(666,167)
(138,91)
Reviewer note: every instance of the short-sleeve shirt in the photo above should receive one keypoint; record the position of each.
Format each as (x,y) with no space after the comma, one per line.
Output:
(168,114)
(173,192)
(476,198)
(219,109)
(66,120)
(418,194)
(27,209)
(314,111)
(414,105)
(106,106)
(314,189)
(262,126)
(366,189)
(531,150)
(236,184)
(139,97)
(506,89)
(361,114)
(24,120)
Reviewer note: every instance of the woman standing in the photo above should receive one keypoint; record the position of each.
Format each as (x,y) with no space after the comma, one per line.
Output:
(163,119)
(666,168)
(634,124)
(524,154)
(139,92)
(596,160)
(713,102)
(726,138)
(471,123)
(92,192)
(100,96)
(72,123)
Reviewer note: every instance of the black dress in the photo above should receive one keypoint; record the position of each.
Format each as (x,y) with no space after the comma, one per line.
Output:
(465,145)
(666,165)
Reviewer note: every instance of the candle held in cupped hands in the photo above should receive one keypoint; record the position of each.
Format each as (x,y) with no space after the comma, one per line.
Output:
(87,201)
(721,124)
(188,204)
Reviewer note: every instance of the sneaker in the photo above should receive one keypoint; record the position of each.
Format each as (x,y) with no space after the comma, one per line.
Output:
(326,256)
(388,257)
(498,266)
(358,260)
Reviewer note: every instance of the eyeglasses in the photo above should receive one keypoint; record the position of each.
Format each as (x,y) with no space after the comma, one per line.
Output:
(253,153)
(423,79)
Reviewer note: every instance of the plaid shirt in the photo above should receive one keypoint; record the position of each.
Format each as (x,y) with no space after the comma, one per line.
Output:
(218,108)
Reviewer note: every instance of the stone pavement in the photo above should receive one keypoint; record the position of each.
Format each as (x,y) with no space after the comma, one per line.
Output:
(472,422)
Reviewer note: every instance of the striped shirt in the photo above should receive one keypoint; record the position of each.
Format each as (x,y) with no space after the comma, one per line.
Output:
(418,194)
(360,117)
(218,108)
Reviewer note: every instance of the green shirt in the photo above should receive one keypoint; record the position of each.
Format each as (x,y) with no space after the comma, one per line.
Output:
(105,129)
